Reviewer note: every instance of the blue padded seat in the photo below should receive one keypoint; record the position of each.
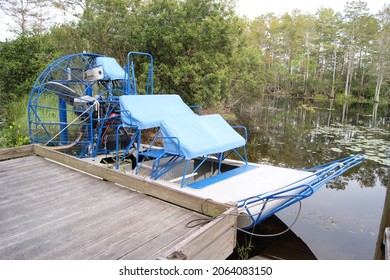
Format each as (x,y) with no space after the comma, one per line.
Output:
(111,69)
(185,134)
(194,136)
(147,111)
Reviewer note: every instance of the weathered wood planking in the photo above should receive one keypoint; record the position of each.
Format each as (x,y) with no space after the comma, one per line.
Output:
(380,252)
(49,211)
(386,242)
(193,247)
(89,218)
(21,151)
(207,207)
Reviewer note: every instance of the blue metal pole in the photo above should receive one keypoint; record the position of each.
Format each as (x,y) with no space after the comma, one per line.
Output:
(63,122)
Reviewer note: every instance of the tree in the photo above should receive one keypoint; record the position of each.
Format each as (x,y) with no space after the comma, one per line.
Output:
(74,7)
(209,55)
(19,11)
(108,27)
(21,61)
(27,15)
(356,26)
(327,40)
(192,42)
(382,51)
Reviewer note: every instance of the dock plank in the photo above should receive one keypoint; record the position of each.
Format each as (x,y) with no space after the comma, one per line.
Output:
(144,234)
(166,238)
(59,208)
(29,201)
(80,236)
(11,153)
(11,170)
(206,242)
(42,233)
(49,211)
(108,241)
(117,238)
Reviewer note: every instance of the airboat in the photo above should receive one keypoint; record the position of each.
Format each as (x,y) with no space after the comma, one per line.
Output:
(88,106)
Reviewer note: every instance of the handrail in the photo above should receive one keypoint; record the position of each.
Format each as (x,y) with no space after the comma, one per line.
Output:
(310,184)
(130,80)
(197,107)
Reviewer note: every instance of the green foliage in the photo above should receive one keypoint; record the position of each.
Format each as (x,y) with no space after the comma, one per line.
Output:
(14,132)
(12,136)
(21,61)
(67,39)
(306,107)
(205,52)
(191,42)
(244,251)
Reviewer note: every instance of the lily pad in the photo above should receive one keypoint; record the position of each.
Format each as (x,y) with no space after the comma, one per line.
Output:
(355,149)
(337,150)
(384,161)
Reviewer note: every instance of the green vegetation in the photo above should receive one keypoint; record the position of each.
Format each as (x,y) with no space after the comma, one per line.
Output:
(204,51)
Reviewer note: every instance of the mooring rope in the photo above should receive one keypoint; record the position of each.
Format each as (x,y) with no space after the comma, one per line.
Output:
(275,234)
(203,221)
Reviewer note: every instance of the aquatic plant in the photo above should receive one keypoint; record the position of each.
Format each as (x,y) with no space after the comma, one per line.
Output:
(371,141)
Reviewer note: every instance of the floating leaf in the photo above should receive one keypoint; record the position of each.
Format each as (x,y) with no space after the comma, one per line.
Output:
(355,149)
(384,162)
(367,140)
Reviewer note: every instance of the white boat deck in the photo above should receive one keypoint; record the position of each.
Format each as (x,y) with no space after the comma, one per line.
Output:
(260,180)
(255,188)
(253,183)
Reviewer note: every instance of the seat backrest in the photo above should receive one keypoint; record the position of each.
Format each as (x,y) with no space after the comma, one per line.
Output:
(111,69)
(147,111)
(195,136)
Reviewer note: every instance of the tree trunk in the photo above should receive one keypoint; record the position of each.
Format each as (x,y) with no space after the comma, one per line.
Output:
(347,87)
(332,93)
(349,71)
(378,87)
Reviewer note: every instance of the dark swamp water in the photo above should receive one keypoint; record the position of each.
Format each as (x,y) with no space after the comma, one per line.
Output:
(341,221)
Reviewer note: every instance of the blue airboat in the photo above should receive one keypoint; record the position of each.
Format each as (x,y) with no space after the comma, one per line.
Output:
(88,106)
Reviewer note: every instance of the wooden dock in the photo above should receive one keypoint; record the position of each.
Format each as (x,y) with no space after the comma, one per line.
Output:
(383,243)
(54,206)
(386,241)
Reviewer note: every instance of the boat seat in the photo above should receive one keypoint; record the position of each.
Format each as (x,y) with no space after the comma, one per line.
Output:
(195,136)
(191,137)
(111,69)
(185,135)
(140,112)
(147,111)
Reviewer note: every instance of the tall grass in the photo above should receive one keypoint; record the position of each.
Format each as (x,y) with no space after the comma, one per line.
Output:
(17,113)
(14,130)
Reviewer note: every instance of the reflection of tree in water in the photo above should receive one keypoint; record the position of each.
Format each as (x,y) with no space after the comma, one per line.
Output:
(383,174)
(339,183)
(366,176)
(279,133)
(287,132)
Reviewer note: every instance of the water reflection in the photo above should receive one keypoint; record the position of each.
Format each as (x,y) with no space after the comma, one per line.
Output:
(341,221)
